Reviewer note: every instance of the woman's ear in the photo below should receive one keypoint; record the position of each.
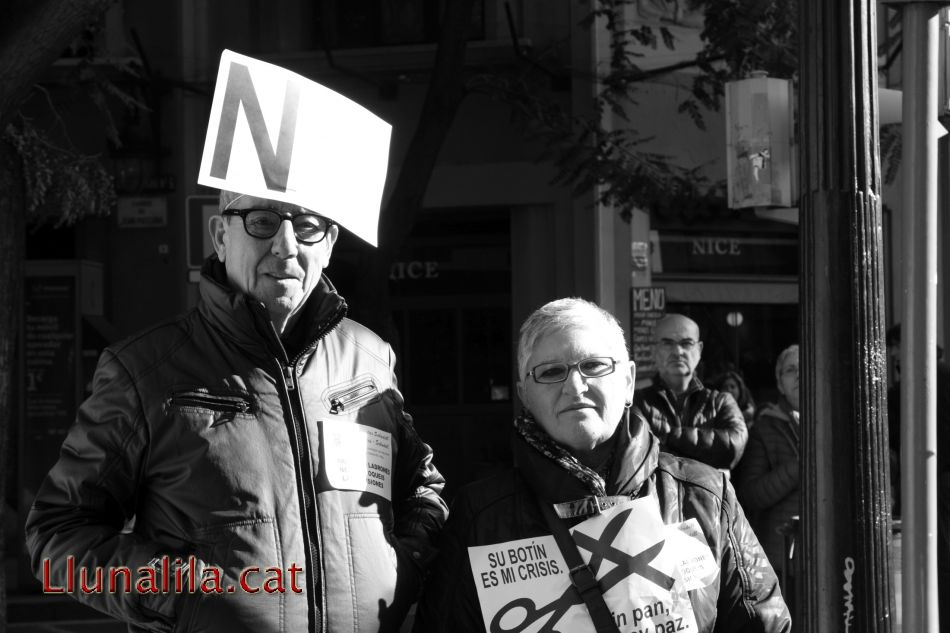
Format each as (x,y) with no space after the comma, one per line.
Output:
(217,226)
(631,381)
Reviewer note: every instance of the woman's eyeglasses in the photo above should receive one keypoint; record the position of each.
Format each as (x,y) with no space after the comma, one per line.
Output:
(593,367)
(263,224)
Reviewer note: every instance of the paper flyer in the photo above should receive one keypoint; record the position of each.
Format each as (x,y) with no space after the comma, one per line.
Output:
(645,568)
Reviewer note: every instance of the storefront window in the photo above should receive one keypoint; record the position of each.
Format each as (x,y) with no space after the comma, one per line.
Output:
(748,341)
(451,289)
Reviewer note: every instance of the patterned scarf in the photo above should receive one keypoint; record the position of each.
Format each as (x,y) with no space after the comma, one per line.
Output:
(538,439)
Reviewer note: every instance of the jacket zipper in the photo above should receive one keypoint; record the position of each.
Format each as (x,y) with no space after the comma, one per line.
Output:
(311,529)
(316,578)
(339,402)
(209,401)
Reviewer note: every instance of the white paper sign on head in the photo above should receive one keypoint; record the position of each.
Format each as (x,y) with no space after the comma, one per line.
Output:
(275,134)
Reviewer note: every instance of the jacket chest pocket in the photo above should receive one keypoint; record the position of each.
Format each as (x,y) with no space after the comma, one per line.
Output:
(206,408)
(347,397)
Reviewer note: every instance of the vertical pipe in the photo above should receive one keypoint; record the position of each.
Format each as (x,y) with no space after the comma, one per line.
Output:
(844,583)
(919,335)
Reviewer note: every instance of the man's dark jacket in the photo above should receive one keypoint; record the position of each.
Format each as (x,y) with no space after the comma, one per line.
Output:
(744,597)
(709,427)
(224,448)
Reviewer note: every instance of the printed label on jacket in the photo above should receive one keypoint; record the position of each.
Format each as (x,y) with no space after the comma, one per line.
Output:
(358,457)
(693,556)
(644,567)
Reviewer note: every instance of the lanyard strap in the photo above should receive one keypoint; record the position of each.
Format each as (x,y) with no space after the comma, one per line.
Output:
(581,576)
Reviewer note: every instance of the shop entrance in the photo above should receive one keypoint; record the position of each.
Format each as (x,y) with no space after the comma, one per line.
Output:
(747,337)
(450,291)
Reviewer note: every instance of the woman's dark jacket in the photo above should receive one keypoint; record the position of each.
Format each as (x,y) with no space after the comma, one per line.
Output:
(768,481)
(744,598)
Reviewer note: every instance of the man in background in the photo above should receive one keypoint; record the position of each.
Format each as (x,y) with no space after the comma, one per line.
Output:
(689,419)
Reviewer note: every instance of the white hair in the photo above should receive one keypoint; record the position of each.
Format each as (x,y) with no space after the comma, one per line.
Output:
(227,198)
(563,314)
(785,353)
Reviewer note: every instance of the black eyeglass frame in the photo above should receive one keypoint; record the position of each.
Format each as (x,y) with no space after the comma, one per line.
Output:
(283,215)
(567,374)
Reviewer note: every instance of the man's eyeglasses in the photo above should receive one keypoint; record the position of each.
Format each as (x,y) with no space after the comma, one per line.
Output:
(687,344)
(263,224)
(593,367)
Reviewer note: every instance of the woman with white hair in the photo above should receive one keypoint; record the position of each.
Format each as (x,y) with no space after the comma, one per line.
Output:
(594,529)
(768,477)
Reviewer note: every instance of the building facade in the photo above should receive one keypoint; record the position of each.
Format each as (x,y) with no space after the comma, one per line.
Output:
(494,238)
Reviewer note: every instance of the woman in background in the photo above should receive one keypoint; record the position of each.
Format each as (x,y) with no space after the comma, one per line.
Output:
(731,382)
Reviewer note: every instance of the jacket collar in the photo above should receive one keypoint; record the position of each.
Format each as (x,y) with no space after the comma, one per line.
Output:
(781,410)
(695,384)
(247,322)
(634,460)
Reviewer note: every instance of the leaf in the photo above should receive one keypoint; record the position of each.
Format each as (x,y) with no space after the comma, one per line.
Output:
(891,145)
(61,185)
(668,40)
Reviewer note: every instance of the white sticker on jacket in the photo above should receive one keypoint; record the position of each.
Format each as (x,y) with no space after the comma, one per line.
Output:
(524,585)
(358,457)
(697,566)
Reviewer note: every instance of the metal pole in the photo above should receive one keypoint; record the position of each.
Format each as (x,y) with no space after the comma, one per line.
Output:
(919,329)
(845,579)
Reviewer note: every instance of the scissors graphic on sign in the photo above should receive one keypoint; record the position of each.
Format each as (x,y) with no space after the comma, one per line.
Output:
(601,550)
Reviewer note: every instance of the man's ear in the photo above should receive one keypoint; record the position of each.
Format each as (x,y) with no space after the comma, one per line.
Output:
(217,226)
(332,234)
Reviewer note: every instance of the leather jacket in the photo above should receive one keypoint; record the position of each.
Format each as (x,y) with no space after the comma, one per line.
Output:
(744,597)
(709,427)
(224,448)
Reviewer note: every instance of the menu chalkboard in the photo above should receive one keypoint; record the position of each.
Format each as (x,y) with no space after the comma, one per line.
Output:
(50,348)
(647,306)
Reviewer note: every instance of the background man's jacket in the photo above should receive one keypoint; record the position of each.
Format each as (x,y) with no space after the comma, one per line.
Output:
(709,427)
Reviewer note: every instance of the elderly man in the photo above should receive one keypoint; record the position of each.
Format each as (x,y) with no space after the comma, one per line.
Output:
(260,445)
(688,418)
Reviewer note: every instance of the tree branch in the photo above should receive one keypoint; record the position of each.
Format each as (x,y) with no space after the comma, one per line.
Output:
(33,38)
